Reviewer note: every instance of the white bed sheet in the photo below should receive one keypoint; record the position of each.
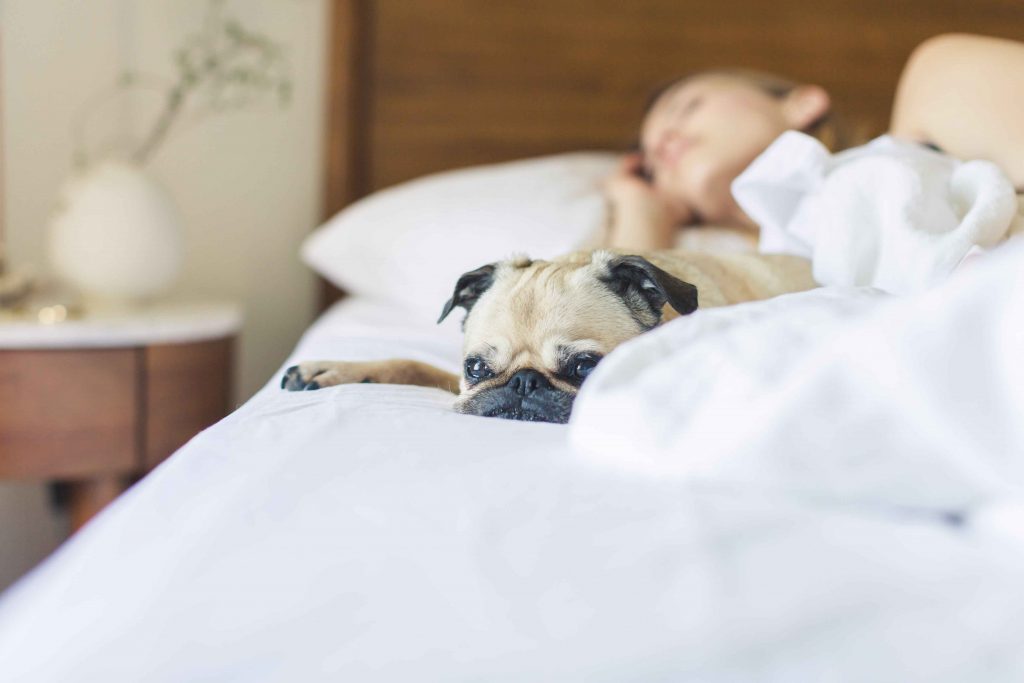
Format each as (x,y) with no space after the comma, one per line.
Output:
(368,533)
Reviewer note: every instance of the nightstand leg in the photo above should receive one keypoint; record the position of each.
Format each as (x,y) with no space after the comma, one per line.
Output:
(86,498)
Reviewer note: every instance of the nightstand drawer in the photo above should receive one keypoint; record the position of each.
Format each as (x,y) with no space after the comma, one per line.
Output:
(68,413)
(187,390)
(95,403)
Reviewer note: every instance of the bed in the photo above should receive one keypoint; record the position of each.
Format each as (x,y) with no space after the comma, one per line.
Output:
(825,486)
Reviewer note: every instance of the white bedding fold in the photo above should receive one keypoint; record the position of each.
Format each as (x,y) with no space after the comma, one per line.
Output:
(889,214)
(830,394)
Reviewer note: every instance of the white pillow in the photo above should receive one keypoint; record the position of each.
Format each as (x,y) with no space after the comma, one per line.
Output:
(410,243)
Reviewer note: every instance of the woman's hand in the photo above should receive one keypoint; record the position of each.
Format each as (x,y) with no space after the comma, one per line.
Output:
(626,185)
(640,218)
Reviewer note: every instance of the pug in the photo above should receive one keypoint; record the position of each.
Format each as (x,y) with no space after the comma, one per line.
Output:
(535,330)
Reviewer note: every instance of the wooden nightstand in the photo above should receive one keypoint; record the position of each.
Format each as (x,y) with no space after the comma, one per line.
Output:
(99,402)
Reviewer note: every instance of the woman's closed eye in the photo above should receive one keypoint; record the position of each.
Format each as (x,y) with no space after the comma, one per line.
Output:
(685,106)
(691,105)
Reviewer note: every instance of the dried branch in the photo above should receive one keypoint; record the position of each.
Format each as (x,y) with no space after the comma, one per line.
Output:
(223,67)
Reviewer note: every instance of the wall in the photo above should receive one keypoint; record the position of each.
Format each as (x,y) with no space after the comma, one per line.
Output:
(247,183)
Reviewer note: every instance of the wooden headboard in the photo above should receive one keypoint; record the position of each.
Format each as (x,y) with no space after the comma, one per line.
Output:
(416,86)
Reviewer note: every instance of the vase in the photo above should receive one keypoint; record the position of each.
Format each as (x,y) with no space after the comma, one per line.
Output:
(117,235)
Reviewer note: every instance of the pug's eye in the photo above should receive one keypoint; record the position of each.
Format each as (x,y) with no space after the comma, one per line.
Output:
(476,369)
(582,367)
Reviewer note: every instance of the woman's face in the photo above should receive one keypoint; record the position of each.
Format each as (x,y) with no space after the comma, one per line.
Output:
(703,133)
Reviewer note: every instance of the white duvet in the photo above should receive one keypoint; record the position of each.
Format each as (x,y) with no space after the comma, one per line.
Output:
(890,214)
(824,487)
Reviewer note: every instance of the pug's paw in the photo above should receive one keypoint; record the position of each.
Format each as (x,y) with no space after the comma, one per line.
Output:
(312,375)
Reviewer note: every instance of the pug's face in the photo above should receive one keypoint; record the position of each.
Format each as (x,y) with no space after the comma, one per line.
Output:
(534,330)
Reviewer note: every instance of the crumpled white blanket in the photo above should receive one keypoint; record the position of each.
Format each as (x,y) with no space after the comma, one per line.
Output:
(846,396)
(890,214)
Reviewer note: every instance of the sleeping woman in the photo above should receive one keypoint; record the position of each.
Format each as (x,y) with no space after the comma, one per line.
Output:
(960,94)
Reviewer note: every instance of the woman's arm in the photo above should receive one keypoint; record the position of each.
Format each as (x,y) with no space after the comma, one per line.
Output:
(639,219)
(965,93)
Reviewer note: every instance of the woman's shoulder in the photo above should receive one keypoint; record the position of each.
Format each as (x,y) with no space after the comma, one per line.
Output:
(894,146)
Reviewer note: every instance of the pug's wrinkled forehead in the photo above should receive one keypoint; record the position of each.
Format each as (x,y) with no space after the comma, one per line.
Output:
(547,308)
(523,313)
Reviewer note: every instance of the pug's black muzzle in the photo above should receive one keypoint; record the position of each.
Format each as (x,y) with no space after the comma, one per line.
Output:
(528,395)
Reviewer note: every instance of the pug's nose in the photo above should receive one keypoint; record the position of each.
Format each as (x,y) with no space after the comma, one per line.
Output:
(527,381)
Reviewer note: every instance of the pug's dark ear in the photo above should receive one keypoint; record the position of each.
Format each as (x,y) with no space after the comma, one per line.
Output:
(469,288)
(646,288)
